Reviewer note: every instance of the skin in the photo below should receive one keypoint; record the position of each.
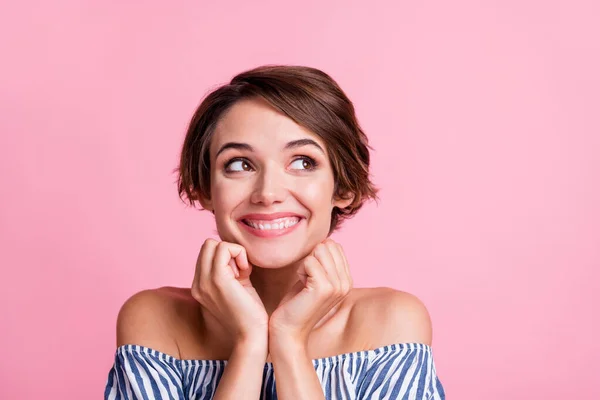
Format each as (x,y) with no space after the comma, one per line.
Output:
(310,269)
(278,299)
(275,181)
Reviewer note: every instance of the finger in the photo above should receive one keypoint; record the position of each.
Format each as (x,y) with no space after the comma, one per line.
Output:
(316,276)
(238,253)
(204,264)
(337,257)
(349,274)
(338,253)
(302,273)
(234,268)
(241,261)
(341,249)
(324,256)
(207,253)
(229,255)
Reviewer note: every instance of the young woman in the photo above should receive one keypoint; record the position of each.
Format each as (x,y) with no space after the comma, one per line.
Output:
(278,157)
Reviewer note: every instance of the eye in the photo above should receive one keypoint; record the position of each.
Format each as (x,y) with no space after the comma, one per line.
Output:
(237,165)
(305,163)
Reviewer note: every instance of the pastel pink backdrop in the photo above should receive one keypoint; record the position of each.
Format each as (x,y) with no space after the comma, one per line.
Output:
(483,116)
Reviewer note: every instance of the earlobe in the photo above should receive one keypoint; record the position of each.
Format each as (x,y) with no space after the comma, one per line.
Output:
(344,201)
(206,204)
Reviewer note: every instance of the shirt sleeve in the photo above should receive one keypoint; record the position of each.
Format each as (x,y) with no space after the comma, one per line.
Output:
(140,373)
(401,371)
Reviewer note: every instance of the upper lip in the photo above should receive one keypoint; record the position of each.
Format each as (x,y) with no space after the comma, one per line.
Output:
(269,217)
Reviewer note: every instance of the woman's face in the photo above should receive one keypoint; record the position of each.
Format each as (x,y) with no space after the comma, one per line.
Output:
(263,163)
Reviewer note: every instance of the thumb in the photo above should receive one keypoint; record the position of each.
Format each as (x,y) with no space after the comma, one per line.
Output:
(244,271)
(235,268)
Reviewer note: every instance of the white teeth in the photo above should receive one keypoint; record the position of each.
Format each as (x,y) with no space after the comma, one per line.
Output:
(278,224)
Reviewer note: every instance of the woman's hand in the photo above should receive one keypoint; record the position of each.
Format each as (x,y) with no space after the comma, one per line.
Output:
(324,282)
(222,286)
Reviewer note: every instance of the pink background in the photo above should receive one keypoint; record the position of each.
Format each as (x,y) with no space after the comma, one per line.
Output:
(485,121)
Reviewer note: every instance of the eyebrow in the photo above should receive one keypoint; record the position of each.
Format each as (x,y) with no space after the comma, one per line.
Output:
(294,144)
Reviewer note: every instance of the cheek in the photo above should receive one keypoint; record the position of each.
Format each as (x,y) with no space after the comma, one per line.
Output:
(227,193)
(316,195)
(225,198)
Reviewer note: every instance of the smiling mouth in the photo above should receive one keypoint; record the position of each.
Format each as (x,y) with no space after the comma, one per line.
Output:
(272,225)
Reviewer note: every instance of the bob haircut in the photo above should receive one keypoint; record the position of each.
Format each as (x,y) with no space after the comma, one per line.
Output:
(309,97)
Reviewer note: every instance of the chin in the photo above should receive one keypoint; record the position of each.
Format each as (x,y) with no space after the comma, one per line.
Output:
(272,259)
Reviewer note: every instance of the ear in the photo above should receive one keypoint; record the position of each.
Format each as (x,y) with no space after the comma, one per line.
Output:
(344,201)
(206,203)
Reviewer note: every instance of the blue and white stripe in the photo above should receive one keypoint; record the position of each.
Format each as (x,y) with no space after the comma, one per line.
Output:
(397,371)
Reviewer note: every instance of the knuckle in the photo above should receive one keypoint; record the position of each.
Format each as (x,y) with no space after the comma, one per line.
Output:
(196,294)
(328,288)
(346,287)
(310,260)
(320,248)
(220,249)
(203,288)
(218,281)
(349,285)
(209,243)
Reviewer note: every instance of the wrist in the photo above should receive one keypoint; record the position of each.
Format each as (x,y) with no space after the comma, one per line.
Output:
(251,349)
(256,346)
(280,342)
(283,354)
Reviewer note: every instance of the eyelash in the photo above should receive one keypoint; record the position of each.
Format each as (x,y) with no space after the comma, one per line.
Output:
(310,160)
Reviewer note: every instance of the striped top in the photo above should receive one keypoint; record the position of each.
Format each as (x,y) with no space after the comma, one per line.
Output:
(396,371)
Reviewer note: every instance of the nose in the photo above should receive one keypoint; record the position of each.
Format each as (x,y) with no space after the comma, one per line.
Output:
(270,187)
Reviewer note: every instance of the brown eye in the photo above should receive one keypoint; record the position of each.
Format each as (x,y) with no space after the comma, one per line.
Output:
(238,165)
(304,163)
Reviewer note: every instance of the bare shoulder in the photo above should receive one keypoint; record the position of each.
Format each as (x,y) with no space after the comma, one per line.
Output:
(385,316)
(150,318)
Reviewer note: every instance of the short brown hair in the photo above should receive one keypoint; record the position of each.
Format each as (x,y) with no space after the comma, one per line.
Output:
(308,96)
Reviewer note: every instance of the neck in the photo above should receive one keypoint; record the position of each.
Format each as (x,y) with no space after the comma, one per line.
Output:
(272,284)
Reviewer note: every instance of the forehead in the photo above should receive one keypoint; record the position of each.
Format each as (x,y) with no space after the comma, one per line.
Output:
(256,122)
